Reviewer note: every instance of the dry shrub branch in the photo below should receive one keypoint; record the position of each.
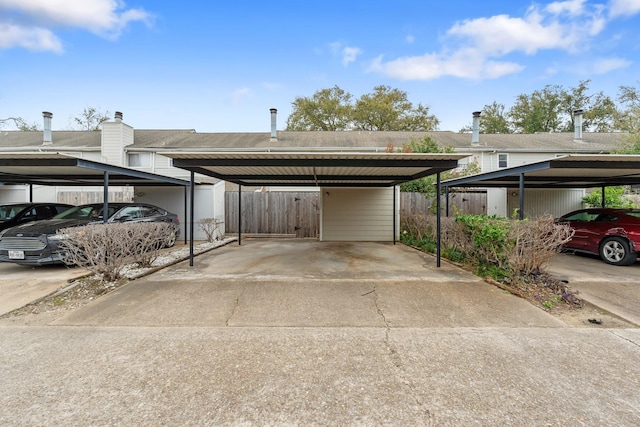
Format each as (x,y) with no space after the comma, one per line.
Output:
(105,249)
(211,228)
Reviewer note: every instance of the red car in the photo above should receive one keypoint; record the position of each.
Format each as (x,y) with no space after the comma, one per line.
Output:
(613,234)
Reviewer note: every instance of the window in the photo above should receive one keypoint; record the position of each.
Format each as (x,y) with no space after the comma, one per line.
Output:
(503,160)
(139,159)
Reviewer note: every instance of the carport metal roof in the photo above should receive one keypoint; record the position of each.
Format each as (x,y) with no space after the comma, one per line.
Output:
(572,171)
(62,170)
(329,169)
(313,168)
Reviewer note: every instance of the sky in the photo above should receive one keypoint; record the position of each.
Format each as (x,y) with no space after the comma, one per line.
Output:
(219,66)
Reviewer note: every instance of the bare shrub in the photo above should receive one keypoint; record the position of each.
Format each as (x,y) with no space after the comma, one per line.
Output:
(102,249)
(105,249)
(146,241)
(534,243)
(211,228)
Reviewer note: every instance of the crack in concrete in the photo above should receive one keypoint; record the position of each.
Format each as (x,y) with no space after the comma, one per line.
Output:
(397,362)
(237,304)
(626,339)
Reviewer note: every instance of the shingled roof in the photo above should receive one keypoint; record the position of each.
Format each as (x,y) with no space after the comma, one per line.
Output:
(322,140)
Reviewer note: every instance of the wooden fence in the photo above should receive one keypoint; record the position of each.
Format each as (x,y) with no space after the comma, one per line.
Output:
(471,202)
(297,214)
(84,197)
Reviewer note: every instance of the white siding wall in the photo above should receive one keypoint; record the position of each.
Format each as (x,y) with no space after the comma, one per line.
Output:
(358,214)
(497,201)
(20,193)
(209,203)
(14,193)
(538,202)
(115,136)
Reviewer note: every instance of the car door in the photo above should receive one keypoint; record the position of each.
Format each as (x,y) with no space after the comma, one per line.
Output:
(582,224)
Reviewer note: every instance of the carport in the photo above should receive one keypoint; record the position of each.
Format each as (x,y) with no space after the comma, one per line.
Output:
(55,169)
(572,171)
(314,169)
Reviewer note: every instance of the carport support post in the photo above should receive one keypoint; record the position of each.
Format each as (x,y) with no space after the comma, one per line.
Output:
(105,198)
(394,214)
(438,220)
(603,203)
(186,197)
(191,217)
(521,201)
(239,214)
(446,201)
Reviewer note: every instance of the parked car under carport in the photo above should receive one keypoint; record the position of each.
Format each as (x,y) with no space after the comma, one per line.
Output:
(36,243)
(613,234)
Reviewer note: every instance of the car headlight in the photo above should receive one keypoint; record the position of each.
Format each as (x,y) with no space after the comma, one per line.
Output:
(57,237)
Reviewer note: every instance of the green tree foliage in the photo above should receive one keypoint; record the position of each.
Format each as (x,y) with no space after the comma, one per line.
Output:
(427,184)
(599,110)
(385,109)
(614,197)
(628,119)
(91,119)
(551,110)
(327,109)
(538,111)
(493,119)
(389,109)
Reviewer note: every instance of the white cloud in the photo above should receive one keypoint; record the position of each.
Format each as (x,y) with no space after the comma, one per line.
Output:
(36,39)
(106,18)
(272,87)
(479,48)
(410,39)
(347,54)
(624,7)
(239,95)
(603,66)
(463,64)
(570,7)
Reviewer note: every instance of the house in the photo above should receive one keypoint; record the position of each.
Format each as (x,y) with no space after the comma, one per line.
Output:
(359,207)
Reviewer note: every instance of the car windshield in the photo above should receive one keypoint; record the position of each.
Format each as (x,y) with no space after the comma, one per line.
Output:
(90,212)
(9,211)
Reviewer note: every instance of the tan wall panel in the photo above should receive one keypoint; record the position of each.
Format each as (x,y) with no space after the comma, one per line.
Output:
(357,214)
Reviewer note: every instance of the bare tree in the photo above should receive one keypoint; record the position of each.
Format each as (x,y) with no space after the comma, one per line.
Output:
(20,123)
(91,118)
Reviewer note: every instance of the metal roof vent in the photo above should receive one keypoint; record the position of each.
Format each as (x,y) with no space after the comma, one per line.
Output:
(46,135)
(118,116)
(274,132)
(475,129)
(577,125)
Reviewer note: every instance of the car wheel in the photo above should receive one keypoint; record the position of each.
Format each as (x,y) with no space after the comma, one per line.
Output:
(616,251)
(171,240)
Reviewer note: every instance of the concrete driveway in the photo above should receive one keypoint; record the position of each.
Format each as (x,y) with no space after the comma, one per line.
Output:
(306,283)
(614,289)
(313,333)
(22,284)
